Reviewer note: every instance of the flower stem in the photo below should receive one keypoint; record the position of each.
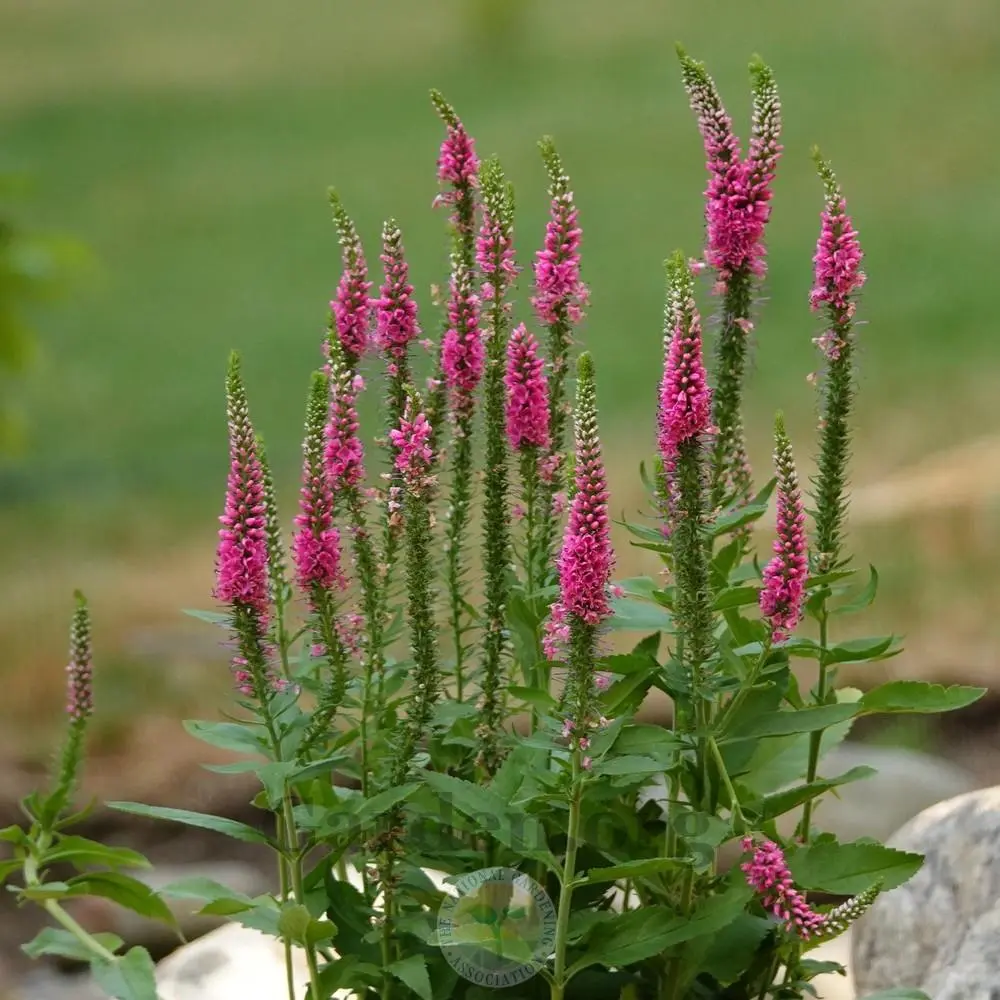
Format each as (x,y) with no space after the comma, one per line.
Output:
(816,738)
(559,980)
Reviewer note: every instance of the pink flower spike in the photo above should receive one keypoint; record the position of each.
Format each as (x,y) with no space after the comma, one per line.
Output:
(352,308)
(241,562)
(344,453)
(395,308)
(458,164)
(527,393)
(316,544)
(414,455)
(495,254)
(463,356)
(560,294)
(586,559)
(685,404)
(767,873)
(837,262)
(785,575)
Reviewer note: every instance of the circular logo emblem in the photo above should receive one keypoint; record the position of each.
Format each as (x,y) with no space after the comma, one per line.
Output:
(499,929)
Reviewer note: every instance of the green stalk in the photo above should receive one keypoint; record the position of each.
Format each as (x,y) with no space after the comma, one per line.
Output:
(458,519)
(559,980)
(816,738)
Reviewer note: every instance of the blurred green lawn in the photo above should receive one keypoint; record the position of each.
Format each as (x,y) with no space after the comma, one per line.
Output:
(191,144)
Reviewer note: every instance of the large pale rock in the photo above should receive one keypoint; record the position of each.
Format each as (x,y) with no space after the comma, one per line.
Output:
(830,985)
(940,932)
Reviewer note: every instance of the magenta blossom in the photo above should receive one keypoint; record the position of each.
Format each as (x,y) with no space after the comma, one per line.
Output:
(344,453)
(458,164)
(316,544)
(685,404)
(527,393)
(414,455)
(767,873)
(586,558)
(495,254)
(560,294)
(738,196)
(837,262)
(785,575)
(395,309)
(352,308)
(463,355)
(241,562)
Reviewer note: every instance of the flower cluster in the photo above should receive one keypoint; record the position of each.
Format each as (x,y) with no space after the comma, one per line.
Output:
(463,355)
(495,253)
(344,452)
(739,190)
(414,456)
(352,308)
(527,393)
(79,671)
(395,309)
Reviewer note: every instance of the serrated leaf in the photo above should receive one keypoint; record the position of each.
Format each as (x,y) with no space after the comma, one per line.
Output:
(366,811)
(628,764)
(125,891)
(55,941)
(847,869)
(737,597)
(806,720)
(297,924)
(784,801)
(412,972)
(634,869)
(863,600)
(859,650)
(536,697)
(225,735)
(630,615)
(79,851)
(130,977)
(204,821)
(647,741)
(212,617)
(207,891)
(514,829)
(918,697)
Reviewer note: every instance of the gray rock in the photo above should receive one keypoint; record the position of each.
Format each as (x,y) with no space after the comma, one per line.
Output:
(940,932)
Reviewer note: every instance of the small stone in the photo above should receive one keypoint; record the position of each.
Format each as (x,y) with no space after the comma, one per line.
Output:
(940,932)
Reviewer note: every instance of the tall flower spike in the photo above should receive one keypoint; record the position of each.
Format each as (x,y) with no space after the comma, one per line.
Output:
(495,245)
(458,164)
(242,564)
(395,309)
(785,575)
(463,355)
(587,557)
(352,309)
(79,672)
(685,399)
(838,277)
(527,393)
(316,544)
(414,457)
(765,138)
(276,562)
(344,452)
(767,874)
(560,294)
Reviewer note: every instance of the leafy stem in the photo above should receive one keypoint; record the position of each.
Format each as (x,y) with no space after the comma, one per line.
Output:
(559,978)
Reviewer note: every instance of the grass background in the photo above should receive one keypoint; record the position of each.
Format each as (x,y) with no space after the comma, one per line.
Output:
(191,144)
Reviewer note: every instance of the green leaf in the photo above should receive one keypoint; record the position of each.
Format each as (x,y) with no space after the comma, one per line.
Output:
(80,851)
(412,972)
(369,810)
(298,925)
(643,587)
(737,597)
(806,720)
(648,741)
(212,617)
(918,697)
(732,519)
(62,944)
(629,764)
(639,616)
(216,897)
(784,801)
(859,650)
(541,700)
(633,869)
(863,600)
(204,821)
(130,977)
(125,891)
(847,869)
(515,829)
(225,735)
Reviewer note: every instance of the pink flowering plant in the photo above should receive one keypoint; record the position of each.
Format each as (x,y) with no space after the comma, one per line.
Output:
(432,672)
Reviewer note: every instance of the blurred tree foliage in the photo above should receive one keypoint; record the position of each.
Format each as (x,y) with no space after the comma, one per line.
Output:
(34,268)
(498,26)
